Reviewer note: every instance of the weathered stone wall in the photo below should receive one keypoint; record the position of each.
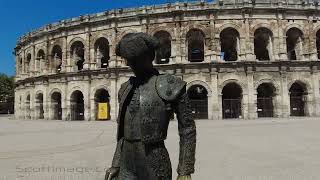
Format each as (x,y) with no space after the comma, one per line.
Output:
(36,75)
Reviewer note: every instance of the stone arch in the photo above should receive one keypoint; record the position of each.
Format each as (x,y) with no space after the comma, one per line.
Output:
(199,100)
(56,90)
(294,25)
(242,85)
(28,105)
(102,52)
(74,88)
(158,29)
(56,100)
(202,83)
(261,25)
(232,100)
(102,95)
(40,60)
(298,93)
(304,83)
(195,43)
(228,25)
(268,81)
(295,42)
(230,44)
(39,107)
(77,103)
(317,42)
(101,35)
(266,99)
(95,89)
(28,62)
(72,41)
(205,30)
(315,30)
(263,44)
(164,51)
(77,54)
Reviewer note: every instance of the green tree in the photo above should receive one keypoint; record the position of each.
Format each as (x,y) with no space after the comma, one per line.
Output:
(6,88)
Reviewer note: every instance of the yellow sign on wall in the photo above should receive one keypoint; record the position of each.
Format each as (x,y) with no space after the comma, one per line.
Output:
(103,111)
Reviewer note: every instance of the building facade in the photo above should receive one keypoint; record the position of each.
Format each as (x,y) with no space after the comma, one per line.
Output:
(241,59)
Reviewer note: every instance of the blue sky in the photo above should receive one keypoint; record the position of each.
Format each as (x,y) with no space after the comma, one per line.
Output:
(21,16)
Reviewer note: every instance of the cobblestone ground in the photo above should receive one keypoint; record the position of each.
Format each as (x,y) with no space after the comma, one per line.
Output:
(268,149)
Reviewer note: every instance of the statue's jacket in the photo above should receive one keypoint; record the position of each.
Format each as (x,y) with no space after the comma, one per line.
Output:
(160,97)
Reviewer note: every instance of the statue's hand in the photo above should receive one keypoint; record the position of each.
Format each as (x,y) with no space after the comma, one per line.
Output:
(111,173)
(187,177)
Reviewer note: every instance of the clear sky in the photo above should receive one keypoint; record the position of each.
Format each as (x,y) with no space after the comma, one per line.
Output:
(21,16)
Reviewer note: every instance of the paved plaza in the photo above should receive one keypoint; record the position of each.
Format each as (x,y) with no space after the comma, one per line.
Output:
(267,149)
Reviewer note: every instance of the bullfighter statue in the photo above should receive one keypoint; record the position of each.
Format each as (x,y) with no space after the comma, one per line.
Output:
(147,102)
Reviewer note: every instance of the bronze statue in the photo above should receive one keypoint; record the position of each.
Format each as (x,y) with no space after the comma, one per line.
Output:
(146,105)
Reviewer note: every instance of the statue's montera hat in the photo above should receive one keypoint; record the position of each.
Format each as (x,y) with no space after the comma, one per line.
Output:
(136,44)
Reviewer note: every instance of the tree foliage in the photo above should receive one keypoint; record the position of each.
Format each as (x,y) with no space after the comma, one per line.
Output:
(6,87)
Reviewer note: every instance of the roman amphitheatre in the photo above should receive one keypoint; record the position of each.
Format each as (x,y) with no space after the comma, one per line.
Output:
(244,59)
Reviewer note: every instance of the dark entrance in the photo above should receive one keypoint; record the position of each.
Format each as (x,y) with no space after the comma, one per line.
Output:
(102,96)
(198,96)
(231,101)
(195,41)
(56,106)
(163,53)
(40,109)
(28,108)
(77,106)
(297,104)
(266,92)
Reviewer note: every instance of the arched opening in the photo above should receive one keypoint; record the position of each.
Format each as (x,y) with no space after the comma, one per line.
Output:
(163,53)
(56,106)
(195,41)
(198,96)
(40,60)
(77,54)
(39,106)
(265,100)
(102,97)
(230,44)
(57,58)
(20,65)
(28,107)
(232,101)
(298,94)
(28,62)
(77,106)
(263,44)
(294,44)
(102,52)
(318,43)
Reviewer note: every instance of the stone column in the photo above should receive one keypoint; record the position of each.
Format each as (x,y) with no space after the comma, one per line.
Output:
(214,98)
(245,106)
(87,102)
(285,96)
(92,109)
(316,91)
(248,46)
(87,58)
(282,42)
(220,116)
(180,44)
(65,56)
(252,95)
(114,88)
